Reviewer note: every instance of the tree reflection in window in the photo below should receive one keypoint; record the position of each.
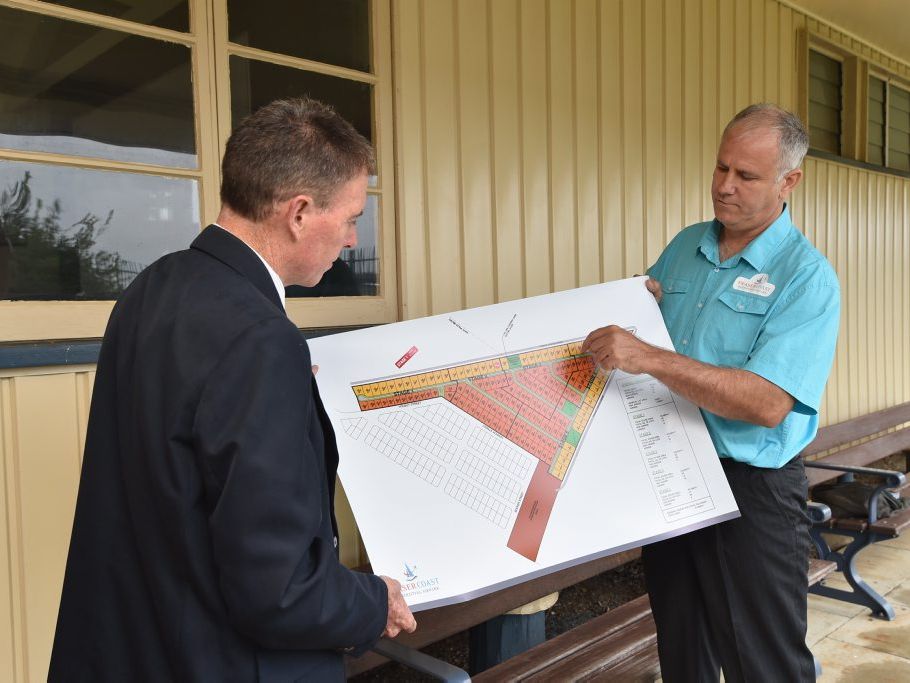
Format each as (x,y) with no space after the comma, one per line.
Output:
(42,259)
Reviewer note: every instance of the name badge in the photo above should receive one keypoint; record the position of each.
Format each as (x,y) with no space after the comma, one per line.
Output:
(757,284)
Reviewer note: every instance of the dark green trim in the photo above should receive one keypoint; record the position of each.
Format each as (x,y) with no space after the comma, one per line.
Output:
(43,354)
(827,156)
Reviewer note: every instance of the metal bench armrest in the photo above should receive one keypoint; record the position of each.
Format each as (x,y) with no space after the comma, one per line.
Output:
(819,513)
(892,478)
(421,661)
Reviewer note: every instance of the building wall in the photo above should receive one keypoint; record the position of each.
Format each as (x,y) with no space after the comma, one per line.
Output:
(548,145)
(540,146)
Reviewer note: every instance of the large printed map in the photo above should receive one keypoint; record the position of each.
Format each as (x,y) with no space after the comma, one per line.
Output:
(540,400)
(482,448)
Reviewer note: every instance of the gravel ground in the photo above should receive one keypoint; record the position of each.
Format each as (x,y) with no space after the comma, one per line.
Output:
(576,605)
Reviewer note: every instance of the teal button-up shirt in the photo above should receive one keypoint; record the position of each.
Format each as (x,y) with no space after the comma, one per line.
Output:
(772,309)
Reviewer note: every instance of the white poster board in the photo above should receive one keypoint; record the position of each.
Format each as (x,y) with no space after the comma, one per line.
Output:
(482,448)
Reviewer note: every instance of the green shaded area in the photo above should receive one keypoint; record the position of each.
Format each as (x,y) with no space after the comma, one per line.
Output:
(573,437)
(569,408)
(514,362)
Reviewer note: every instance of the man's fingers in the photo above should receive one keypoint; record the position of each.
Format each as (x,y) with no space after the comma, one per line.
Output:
(315,369)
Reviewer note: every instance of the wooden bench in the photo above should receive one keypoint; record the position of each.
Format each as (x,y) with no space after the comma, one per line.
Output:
(844,464)
(620,645)
(436,624)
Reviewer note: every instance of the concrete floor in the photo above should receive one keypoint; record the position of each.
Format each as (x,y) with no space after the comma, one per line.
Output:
(853,646)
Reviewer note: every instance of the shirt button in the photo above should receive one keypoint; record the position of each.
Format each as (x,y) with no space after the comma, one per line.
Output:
(717,270)
(335,541)
(700,304)
(739,306)
(685,342)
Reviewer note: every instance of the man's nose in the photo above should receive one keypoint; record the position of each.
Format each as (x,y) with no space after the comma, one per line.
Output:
(726,183)
(352,239)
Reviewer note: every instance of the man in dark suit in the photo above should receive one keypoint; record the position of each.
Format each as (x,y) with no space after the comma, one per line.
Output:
(204,546)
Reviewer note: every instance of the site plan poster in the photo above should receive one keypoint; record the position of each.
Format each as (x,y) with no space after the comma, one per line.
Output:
(483,448)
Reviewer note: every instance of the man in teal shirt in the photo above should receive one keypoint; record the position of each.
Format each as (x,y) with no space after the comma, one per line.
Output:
(753,310)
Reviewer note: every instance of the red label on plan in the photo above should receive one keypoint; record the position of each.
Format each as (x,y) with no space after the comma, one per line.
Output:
(406,357)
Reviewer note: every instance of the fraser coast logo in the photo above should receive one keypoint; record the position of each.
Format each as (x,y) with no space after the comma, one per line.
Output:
(757,284)
(413,585)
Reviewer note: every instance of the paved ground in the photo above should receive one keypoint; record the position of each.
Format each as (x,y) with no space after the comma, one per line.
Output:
(853,646)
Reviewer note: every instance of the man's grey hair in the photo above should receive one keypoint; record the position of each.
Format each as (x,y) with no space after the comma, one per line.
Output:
(792,137)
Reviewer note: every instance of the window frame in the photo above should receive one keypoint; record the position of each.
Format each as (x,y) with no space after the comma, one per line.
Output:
(891,81)
(856,70)
(210,51)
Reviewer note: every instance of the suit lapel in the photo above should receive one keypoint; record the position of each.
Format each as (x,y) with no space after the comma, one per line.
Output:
(235,253)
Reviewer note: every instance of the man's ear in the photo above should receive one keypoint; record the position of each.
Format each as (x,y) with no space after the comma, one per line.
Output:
(790,181)
(296,214)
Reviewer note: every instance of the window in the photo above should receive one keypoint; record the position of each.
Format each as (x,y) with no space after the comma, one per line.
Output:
(898,128)
(825,81)
(888,125)
(875,146)
(855,109)
(112,118)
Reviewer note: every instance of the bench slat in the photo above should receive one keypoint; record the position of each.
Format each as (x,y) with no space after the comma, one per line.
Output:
(894,525)
(819,569)
(636,644)
(645,667)
(861,455)
(615,624)
(858,428)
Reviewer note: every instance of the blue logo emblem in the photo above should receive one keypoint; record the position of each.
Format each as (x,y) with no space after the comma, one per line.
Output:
(409,573)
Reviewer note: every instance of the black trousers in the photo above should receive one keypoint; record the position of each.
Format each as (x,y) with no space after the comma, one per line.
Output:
(734,595)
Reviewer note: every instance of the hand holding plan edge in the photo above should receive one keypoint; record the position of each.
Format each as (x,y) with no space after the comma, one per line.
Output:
(400,617)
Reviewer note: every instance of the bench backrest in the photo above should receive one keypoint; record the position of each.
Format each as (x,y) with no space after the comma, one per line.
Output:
(857,428)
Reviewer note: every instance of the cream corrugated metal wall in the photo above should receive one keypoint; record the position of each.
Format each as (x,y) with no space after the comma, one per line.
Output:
(548,145)
(540,145)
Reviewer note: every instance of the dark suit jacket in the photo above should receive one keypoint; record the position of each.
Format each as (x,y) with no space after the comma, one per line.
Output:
(204,542)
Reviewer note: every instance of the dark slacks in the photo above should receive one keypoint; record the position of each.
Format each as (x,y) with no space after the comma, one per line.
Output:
(734,595)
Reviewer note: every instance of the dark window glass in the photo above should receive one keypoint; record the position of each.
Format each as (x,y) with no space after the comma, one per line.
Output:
(172,14)
(356,272)
(335,32)
(70,88)
(875,146)
(824,102)
(898,128)
(70,233)
(255,84)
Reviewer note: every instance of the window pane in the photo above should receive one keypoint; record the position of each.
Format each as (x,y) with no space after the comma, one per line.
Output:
(76,89)
(875,149)
(898,128)
(824,102)
(336,32)
(70,233)
(356,272)
(255,84)
(172,14)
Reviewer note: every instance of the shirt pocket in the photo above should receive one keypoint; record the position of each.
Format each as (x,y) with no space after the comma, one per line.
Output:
(672,305)
(737,322)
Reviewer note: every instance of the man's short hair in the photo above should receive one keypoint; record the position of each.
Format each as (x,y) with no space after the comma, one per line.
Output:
(291,147)
(792,137)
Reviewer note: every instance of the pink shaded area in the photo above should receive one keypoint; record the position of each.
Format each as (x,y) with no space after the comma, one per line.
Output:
(531,523)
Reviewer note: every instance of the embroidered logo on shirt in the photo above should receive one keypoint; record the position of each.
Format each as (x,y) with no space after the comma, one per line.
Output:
(757,284)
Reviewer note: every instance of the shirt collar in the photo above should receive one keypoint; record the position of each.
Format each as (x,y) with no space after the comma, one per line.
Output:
(758,251)
(279,285)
